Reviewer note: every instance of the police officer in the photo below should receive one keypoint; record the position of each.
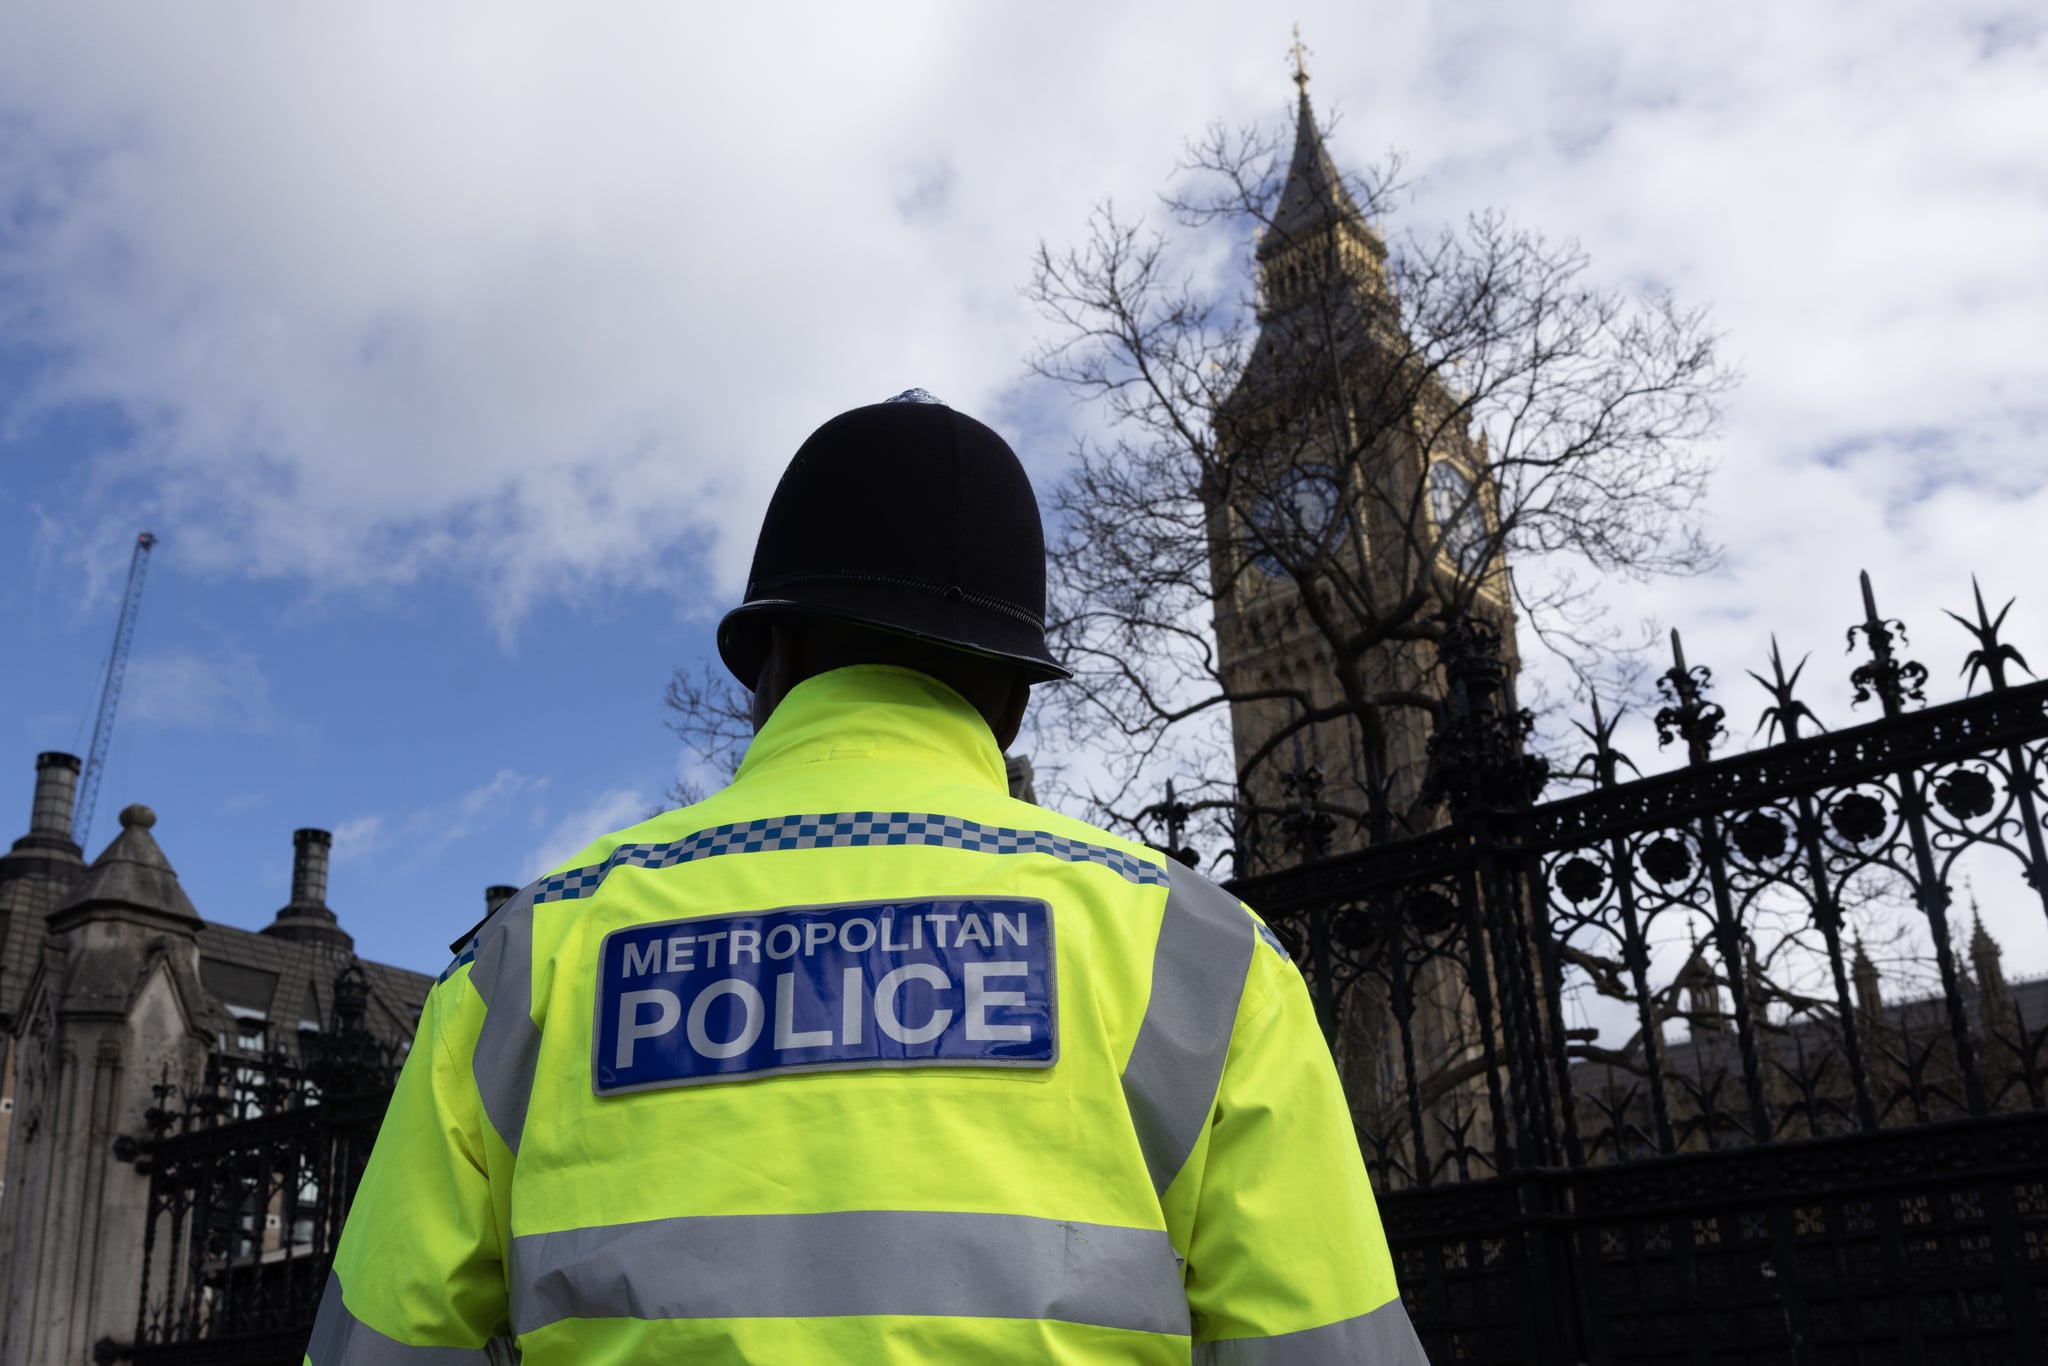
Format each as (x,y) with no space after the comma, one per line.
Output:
(861,1059)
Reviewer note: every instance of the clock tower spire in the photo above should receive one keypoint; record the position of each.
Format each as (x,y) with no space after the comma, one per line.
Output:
(1317,238)
(1342,498)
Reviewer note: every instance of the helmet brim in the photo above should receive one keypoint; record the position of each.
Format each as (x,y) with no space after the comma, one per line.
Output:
(743,635)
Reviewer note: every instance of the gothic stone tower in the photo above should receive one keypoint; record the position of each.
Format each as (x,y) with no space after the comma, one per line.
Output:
(1353,504)
(1345,469)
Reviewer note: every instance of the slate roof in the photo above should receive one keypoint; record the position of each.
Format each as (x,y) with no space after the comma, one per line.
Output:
(292,983)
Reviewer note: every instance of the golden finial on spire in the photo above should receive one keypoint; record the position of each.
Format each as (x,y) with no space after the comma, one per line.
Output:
(1300,55)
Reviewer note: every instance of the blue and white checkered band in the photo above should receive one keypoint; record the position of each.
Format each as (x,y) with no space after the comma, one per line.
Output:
(916,396)
(963,982)
(1271,940)
(468,955)
(848,830)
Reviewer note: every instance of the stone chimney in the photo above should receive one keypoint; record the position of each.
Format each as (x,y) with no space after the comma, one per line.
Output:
(309,867)
(56,794)
(307,919)
(49,822)
(38,872)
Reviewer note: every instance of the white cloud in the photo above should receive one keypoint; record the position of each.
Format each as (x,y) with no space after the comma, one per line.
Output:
(479,801)
(429,829)
(181,687)
(359,837)
(542,303)
(612,810)
(545,302)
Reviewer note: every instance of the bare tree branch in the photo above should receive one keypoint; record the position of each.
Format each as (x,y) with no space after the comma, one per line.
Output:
(1337,463)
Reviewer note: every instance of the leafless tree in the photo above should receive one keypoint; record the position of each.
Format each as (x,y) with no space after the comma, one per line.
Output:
(1367,439)
(712,715)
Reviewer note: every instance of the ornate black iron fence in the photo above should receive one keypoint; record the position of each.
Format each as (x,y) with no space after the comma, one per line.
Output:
(1625,1070)
(250,1175)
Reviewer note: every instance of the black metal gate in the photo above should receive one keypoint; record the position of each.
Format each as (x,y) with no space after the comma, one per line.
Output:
(250,1175)
(1630,1084)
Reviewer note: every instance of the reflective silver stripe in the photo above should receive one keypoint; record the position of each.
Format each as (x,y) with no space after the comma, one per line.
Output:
(1205,949)
(508,1045)
(1383,1337)
(342,1339)
(1001,1266)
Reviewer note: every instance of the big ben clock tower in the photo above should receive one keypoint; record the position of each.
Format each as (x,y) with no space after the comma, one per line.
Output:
(1352,511)
(1351,515)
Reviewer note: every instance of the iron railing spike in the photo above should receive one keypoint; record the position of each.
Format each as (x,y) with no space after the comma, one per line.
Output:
(1786,710)
(1892,680)
(1992,654)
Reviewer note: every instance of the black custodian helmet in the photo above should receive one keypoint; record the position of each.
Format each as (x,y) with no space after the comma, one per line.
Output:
(910,517)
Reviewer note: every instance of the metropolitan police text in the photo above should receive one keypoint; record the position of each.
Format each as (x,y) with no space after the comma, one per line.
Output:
(680,953)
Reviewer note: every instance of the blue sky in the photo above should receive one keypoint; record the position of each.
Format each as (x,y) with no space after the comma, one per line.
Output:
(453,357)
(443,755)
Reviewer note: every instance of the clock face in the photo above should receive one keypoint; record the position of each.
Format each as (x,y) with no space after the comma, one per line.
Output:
(1302,515)
(1458,517)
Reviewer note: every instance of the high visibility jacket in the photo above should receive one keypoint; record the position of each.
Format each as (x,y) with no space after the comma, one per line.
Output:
(862,1060)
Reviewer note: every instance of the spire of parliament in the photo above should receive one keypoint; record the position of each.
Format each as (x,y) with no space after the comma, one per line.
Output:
(1314,197)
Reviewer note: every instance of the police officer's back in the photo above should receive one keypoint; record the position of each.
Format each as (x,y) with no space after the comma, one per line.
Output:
(861,1059)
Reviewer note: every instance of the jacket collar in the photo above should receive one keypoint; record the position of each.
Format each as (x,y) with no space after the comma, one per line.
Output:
(878,713)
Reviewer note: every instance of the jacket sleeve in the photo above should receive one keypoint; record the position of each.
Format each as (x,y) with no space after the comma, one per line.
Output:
(419,1275)
(1287,1261)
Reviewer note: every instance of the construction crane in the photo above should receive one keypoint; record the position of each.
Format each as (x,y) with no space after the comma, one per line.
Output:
(110,690)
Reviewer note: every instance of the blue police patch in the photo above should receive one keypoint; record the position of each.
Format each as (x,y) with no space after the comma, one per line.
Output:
(942,983)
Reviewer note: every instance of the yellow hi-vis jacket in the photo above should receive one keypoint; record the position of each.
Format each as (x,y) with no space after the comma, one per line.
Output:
(863,1060)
